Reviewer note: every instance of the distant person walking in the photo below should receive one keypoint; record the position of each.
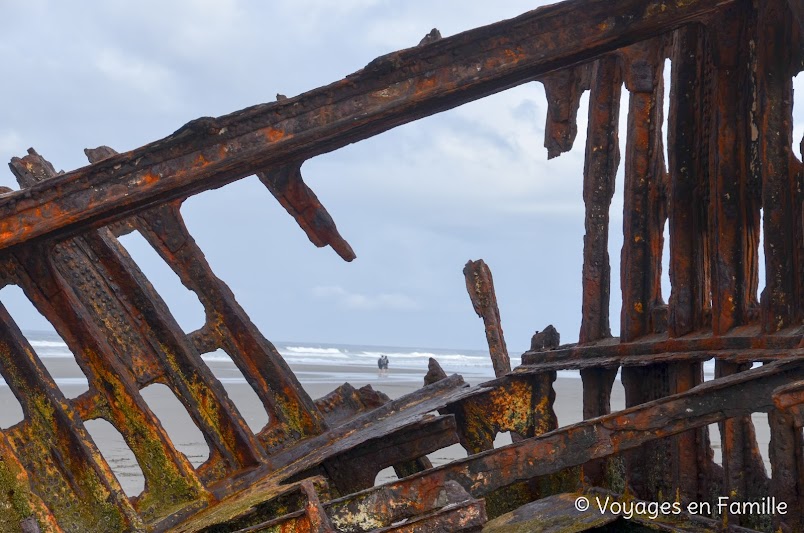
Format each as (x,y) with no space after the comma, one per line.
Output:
(382,364)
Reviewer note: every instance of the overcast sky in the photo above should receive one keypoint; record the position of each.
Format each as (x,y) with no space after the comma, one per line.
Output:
(415,203)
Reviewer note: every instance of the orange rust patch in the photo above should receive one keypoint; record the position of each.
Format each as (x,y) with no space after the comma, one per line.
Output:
(273,134)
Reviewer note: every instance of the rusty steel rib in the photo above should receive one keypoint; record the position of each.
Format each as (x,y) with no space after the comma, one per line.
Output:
(314,465)
(391,90)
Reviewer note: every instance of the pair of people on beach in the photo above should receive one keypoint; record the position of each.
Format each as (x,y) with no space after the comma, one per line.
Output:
(382,364)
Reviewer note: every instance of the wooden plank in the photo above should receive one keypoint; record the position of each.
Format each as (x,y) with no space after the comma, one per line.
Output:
(392,90)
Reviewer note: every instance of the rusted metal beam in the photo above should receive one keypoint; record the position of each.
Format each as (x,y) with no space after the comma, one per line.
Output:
(601,162)
(644,210)
(392,90)
(65,468)
(480,286)
(286,504)
(19,502)
(291,412)
(172,482)
(563,89)
(735,192)
(356,469)
(734,187)
(346,402)
(522,405)
(739,357)
(797,8)
(787,468)
(782,238)
(744,339)
(600,169)
(95,278)
(287,186)
(483,473)
(689,257)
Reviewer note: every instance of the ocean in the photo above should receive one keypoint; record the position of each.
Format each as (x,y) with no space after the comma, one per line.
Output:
(356,359)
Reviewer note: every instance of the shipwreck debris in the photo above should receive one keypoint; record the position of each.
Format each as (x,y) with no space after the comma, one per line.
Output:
(729,170)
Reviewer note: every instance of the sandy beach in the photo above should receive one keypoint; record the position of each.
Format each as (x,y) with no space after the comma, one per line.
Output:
(317,380)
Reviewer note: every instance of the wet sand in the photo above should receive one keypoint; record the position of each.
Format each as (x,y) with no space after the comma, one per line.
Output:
(317,380)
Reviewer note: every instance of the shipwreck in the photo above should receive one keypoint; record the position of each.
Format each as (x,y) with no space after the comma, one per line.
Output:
(730,175)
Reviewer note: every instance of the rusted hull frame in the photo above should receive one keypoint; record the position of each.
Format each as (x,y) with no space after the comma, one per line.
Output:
(390,91)
(574,445)
(654,345)
(139,318)
(731,144)
(290,410)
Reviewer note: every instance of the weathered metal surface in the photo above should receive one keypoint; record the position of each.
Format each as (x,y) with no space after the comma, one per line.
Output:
(393,89)
(312,468)
(480,286)
(554,514)
(600,168)
(563,90)
(301,203)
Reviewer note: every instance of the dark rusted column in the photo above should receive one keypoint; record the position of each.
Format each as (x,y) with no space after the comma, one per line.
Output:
(787,454)
(782,237)
(67,471)
(563,89)
(797,7)
(743,468)
(287,186)
(734,228)
(480,286)
(787,465)
(645,208)
(691,466)
(600,168)
(645,211)
(687,137)
(292,414)
(734,191)
(393,89)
